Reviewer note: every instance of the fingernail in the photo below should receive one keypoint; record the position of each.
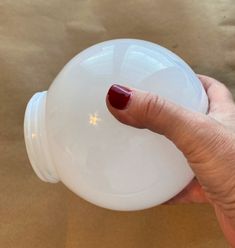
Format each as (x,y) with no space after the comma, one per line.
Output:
(119,96)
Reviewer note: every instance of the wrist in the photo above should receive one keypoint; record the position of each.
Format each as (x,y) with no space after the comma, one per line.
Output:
(227,224)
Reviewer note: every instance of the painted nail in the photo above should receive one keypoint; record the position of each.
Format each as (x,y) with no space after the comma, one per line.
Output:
(119,96)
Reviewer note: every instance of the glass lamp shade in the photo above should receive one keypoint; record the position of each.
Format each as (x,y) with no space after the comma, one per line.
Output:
(71,136)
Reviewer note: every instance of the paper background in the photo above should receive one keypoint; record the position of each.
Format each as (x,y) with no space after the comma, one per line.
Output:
(36,39)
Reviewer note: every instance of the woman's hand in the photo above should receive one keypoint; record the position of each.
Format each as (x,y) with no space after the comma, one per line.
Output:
(207,141)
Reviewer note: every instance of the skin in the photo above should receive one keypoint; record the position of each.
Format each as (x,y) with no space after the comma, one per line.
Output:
(207,141)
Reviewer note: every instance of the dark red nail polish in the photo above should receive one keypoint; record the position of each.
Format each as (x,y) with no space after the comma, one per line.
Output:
(119,96)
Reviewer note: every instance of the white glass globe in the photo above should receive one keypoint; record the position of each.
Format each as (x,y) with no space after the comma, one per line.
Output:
(71,136)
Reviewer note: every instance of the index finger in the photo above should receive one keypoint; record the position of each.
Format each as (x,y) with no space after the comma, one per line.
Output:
(218,94)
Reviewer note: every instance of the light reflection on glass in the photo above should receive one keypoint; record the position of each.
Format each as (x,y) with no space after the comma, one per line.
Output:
(94,119)
(34,135)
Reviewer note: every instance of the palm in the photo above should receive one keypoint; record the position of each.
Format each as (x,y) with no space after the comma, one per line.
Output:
(222,113)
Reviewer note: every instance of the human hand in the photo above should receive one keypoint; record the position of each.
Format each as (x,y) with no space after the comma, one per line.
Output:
(207,141)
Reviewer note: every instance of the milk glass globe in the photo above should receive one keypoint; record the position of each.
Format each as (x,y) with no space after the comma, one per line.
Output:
(71,136)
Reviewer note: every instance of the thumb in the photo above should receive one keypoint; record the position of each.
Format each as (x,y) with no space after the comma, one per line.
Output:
(190,131)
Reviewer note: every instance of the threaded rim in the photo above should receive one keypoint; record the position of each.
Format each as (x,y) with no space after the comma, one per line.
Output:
(36,139)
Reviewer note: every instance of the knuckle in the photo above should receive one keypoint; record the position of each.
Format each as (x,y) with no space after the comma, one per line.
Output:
(153,106)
